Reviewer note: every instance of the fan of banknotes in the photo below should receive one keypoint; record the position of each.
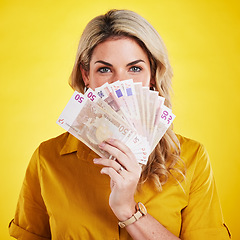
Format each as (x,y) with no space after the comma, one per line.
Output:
(123,110)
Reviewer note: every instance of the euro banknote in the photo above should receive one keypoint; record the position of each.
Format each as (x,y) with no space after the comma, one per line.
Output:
(123,110)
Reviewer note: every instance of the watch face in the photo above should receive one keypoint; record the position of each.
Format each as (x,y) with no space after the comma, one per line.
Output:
(142,208)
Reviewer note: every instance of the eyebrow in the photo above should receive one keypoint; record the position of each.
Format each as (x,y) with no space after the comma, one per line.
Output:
(103,62)
(135,62)
(129,64)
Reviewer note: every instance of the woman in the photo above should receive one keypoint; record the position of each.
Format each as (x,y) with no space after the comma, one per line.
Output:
(64,196)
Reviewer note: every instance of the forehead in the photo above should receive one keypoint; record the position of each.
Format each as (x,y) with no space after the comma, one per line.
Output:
(119,46)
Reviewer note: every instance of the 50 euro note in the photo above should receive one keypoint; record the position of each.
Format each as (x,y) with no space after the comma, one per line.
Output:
(145,91)
(94,97)
(163,121)
(141,105)
(159,102)
(131,98)
(117,89)
(89,123)
(136,142)
(153,103)
(140,147)
(106,94)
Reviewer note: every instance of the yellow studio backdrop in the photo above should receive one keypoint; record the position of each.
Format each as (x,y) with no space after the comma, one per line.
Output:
(37,50)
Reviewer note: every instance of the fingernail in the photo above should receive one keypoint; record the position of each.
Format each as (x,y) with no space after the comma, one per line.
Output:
(102,144)
(110,140)
(95,160)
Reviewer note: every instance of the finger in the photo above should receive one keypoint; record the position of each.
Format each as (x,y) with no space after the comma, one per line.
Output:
(121,157)
(130,181)
(121,146)
(133,163)
(117,178)
(111,163)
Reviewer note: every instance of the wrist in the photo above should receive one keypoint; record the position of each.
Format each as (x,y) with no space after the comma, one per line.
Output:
(140,210)
(125,212)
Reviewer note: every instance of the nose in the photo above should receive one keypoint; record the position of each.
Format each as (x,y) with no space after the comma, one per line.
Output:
(120,75)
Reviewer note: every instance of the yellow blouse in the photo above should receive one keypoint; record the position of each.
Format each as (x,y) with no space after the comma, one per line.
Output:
(64,196)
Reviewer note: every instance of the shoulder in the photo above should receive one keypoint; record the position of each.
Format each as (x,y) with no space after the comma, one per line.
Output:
(197,162)
(57,147)
(192,151)
(59,140)
(188,143)
(54,144)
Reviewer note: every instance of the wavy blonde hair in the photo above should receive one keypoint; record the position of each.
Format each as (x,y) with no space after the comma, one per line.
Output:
(124,23)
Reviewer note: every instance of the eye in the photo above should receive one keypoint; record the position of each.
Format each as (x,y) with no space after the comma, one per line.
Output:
(135,69)
(104,70)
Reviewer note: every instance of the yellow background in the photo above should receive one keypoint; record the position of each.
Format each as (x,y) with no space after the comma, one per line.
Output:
(38,42)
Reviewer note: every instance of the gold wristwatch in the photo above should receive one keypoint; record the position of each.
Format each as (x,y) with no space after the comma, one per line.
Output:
(141,211)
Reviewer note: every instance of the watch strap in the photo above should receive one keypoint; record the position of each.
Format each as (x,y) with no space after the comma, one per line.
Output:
(131,220)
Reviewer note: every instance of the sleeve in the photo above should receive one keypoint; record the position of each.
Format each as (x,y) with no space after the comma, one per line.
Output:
(202,218)
(31,221)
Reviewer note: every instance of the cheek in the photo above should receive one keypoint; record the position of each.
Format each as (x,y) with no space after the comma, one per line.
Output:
(146,82)
(145,79)
(95,81)
(93,84)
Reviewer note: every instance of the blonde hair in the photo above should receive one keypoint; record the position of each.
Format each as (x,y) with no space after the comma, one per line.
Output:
(125,23)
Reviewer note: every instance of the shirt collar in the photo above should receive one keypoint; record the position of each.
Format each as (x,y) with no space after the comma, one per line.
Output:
(72,144)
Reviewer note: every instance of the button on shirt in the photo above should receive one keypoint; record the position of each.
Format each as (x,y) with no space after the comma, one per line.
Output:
(64,196)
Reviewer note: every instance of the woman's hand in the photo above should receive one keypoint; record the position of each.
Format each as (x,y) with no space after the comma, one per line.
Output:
(124,173)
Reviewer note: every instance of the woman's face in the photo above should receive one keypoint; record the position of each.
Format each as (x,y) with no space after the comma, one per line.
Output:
(117,59)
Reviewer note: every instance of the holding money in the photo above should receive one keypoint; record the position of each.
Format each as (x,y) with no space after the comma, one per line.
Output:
(129,168)
(94,118)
